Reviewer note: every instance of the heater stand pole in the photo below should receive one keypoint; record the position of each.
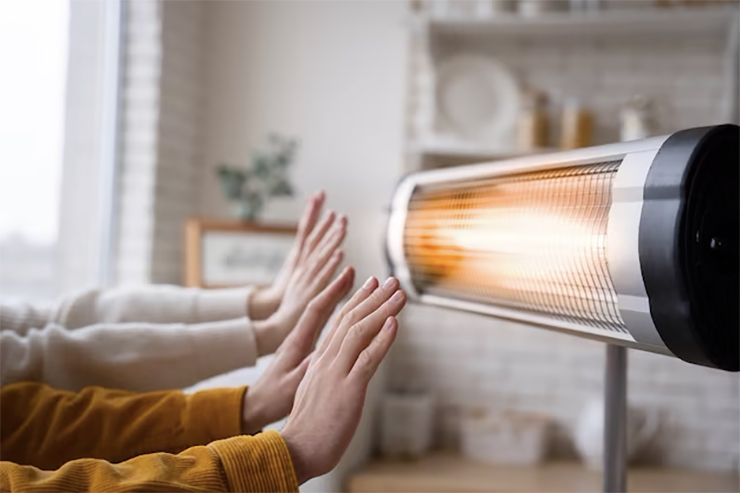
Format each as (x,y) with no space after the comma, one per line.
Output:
(615,420)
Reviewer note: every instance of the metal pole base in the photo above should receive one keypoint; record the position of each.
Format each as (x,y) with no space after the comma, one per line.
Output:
(615,420)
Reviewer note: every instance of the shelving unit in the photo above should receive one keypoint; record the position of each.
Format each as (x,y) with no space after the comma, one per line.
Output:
(714,22)
(688,57)
(438,37)
(442,153)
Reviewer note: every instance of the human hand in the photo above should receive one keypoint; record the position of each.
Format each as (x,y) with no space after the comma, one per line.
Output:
(271,397)
(265,301)
(329,400)
(319,258)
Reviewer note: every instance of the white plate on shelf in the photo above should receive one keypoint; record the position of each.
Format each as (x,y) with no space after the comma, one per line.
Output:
(477,98)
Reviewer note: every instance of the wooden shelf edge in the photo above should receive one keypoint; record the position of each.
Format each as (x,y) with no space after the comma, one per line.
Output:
(472,150)
(710,21)
(442,472)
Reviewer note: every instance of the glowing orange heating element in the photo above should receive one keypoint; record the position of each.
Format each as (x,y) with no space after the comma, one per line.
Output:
(534,240)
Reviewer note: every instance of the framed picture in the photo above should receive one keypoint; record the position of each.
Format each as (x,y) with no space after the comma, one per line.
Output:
(230,253)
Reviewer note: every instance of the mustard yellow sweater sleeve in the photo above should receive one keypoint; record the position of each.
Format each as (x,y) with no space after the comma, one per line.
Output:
(255,464)
(45,427)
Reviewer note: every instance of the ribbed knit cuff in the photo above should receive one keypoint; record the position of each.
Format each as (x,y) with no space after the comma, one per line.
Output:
(259,463)
(222,304)
(213,414)
(221,347)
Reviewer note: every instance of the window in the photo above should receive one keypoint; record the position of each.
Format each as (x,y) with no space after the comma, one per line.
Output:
(33,51)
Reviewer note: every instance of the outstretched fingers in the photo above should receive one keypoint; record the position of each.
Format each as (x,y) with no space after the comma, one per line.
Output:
(361,334)
(305,226)
(369,359)
(310,216)
(317,234)
(371,304)
(321,278)
(327,247)
(360,295)
(359,312)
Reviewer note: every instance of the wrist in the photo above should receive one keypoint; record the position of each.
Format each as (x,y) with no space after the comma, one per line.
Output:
(266,335)
(300,464)
(263,302)
(252,413)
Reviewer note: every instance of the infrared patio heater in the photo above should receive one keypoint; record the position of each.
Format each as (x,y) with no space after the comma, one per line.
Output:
(632,244)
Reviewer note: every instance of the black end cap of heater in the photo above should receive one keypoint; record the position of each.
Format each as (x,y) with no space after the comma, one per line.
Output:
(688,245)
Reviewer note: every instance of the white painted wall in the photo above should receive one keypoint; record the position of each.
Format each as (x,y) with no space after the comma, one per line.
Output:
(332,74)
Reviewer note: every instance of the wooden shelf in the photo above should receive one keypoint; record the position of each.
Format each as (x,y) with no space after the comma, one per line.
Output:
(470,150)
(444,154)
(443,472)
(713,22)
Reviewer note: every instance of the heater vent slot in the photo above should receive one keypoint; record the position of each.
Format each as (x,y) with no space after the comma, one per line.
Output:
(531,241)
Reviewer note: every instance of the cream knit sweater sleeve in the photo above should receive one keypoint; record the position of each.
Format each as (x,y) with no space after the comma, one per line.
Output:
(153,304)
(132,356)
(148,338)
(146,303)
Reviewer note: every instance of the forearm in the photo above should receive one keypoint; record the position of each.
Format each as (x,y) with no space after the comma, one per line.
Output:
(22,317)
(46,427)
(160,304)
(127,356)
(258,464)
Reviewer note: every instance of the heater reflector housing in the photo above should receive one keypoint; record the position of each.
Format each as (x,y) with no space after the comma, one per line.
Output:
(633,243)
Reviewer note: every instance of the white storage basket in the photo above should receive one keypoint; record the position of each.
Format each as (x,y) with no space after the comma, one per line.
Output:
(509,437)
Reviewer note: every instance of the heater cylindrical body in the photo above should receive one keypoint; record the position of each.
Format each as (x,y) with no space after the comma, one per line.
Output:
(633,243)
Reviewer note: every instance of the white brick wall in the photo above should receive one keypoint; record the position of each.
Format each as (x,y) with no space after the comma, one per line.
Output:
(469,360)
(160,150)
(139,142)
(179,139)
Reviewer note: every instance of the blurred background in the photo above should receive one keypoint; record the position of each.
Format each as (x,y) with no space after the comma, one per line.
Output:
(118,116)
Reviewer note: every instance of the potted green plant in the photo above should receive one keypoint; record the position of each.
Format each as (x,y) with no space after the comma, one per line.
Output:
(248,189)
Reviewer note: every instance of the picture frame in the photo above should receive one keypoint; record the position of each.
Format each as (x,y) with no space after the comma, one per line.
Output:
(222,253)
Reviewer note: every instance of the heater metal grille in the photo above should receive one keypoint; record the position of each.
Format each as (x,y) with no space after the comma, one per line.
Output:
(532,241)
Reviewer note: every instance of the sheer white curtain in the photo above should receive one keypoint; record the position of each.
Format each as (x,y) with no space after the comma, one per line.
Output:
(90,144)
